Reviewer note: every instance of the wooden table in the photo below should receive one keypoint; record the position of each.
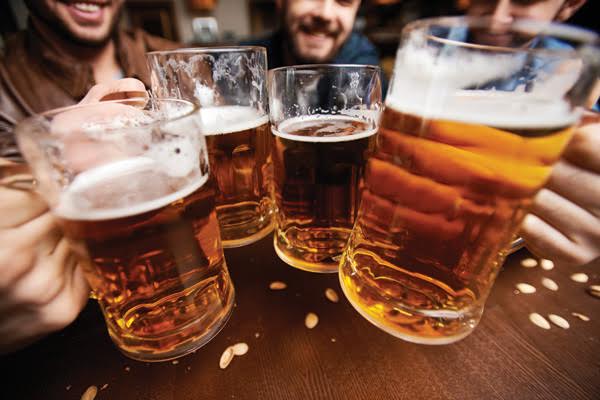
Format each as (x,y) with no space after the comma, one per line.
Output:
(344,357)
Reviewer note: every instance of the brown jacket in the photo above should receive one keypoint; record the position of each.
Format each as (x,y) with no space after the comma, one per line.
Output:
(35,76)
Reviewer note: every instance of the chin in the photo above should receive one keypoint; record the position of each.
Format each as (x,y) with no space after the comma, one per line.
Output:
(90,37)
(309,57)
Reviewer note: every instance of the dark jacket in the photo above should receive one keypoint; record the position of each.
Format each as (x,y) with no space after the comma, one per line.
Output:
(356,50)
(35,76)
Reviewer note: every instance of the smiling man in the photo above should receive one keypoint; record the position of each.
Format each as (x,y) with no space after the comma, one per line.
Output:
(69,46)
(318,31)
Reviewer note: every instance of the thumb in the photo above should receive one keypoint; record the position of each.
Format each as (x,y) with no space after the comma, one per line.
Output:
(120,89)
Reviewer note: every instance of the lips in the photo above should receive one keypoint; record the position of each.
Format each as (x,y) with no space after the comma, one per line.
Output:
(316,37)
(97,2)
(86,7)
(317,32)
(87,12)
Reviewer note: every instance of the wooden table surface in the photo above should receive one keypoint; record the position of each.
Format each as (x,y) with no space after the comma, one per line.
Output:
(344,357)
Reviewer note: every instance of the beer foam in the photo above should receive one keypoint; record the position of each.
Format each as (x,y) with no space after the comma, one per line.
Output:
(117,122)
(102,118)
(179,156)
(299,121)
(230,119)
(510,110)
(74,203)
(434,83)
(417,67)
(204,94)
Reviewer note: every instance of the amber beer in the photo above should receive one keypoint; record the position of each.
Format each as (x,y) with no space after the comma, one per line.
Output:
(318,162)
(443,194)
(229,85)
(238,140)
(156,267)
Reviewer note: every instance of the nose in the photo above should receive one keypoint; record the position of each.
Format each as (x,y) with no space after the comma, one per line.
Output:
(326,9)
(502,12)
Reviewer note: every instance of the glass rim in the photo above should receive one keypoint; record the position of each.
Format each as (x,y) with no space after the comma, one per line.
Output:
(376,68)
(554,29)
(46,116)
(208,50)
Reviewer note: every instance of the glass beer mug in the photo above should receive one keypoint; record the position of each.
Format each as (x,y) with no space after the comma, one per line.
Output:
(475,117)
(324,120)
(128,181)
(229,84)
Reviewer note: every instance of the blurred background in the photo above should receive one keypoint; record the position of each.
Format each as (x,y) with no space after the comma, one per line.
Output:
(222,22)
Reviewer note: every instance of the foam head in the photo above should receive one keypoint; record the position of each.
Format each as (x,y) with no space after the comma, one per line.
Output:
(123,188)
(325,128)
(230,119)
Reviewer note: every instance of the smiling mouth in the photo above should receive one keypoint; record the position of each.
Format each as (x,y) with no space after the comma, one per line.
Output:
(87,12)
(86,7)
(318,36)
(89,6)
(316,33)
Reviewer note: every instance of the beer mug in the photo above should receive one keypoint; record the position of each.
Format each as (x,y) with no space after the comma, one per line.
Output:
(324,119)
(475,117)
(128,182)
(229,84)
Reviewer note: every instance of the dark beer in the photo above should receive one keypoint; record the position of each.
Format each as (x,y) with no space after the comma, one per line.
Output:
(149,244)
(442,197)
(238,140)
(318,162)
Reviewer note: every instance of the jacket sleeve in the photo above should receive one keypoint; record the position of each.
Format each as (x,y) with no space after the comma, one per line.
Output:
(155,43)
(10,113)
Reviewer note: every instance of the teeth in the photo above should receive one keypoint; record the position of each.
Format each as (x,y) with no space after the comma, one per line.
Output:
(87,7)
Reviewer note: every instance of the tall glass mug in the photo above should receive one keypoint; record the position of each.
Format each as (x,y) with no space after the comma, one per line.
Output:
(229,84)
(475,117)
(324,119)
(128,182)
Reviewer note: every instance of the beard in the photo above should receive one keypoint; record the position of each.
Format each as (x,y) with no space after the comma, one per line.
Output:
(39,11)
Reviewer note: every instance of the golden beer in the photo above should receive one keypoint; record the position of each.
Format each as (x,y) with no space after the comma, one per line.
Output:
(156,267)
(229,85)
(238,140)
(442,196)
(318,163)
